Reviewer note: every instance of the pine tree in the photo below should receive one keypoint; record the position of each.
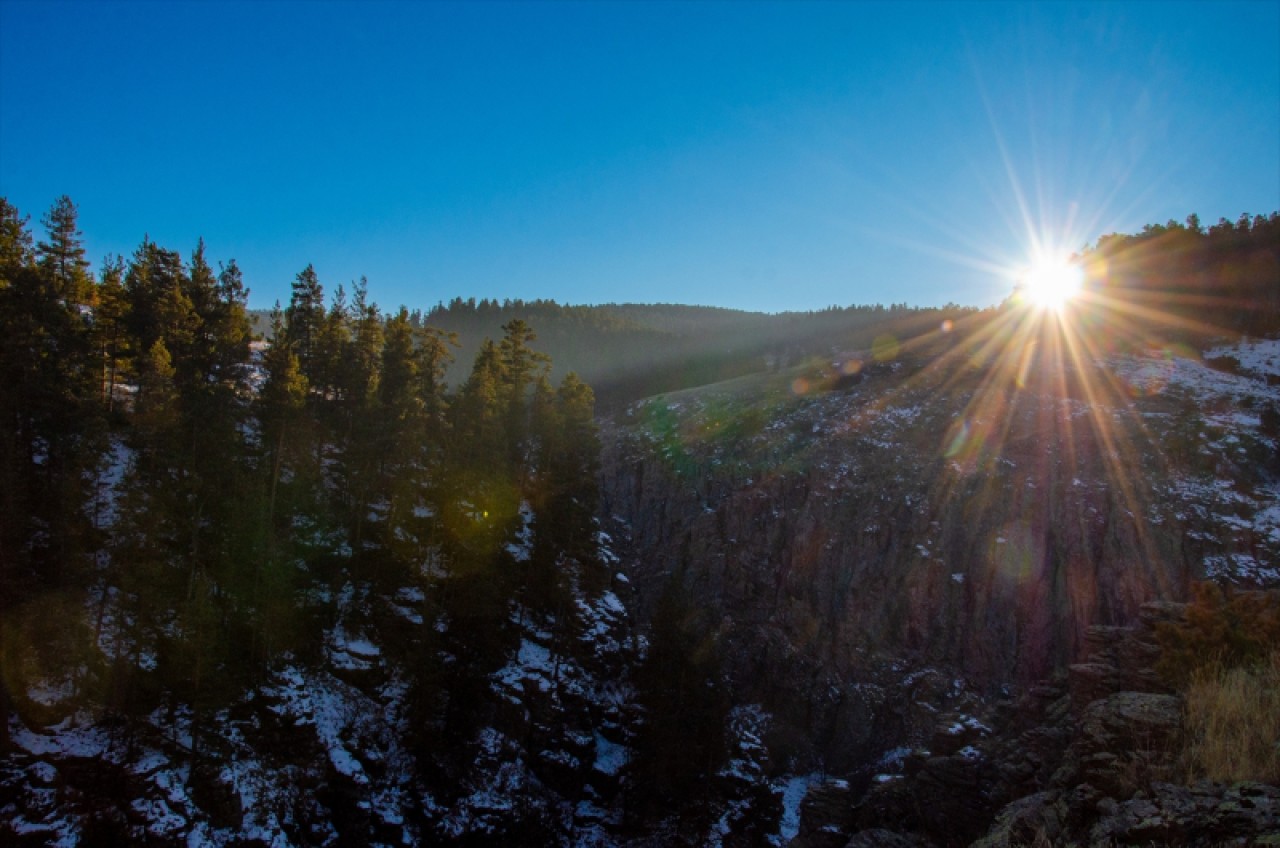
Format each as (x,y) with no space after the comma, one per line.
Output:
(17,334)
(574,469)
(48,390)
(147,544)
(434,357)
(546,587)
(479,420)
(62,256)
(110,327)
(521,366)
(280,405)
(160,309)
(333,341)
(356,438)
(15,242)
(400,422)
(304,317)
(156,413)
(682,740)
(567,466)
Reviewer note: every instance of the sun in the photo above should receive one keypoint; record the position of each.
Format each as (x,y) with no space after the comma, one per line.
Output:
(1051,282)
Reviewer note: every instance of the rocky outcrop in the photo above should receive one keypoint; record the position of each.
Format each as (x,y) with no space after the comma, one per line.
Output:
(1205,814)
(1048,769)
(1126,741)
(837,542)
(826,815)
(936,542)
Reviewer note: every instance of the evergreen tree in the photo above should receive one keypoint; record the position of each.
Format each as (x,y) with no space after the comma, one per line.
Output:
(15,242)
(479,423)
(280,406)
(17,331)
(62,256)
(110,331)
(287,433)
(148,546)
(521,366)
(331,348)
(357,437)
(545,587)
(48,391)
(304,317)
(160,308)
(434,356)
(401,431)
(681,742)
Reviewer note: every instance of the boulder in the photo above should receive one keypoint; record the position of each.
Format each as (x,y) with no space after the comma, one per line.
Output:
(880,838)
(1128,739)
(826,815)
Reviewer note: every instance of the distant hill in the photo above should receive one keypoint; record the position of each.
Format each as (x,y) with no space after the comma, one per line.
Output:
(628,351)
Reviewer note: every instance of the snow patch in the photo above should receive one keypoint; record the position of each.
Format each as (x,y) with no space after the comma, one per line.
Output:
(522,548)
(610,756)
(793,790)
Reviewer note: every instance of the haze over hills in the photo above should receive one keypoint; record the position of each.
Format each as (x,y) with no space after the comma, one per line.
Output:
(629,351)
(864,576)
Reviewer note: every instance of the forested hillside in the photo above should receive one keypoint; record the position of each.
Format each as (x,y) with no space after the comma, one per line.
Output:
(201,533)
(1189,282)
(630,351)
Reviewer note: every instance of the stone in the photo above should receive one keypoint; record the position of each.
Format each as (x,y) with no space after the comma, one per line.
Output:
(826,815)
(880,838)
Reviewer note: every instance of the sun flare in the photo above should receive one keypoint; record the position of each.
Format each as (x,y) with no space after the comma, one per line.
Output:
(1052,281)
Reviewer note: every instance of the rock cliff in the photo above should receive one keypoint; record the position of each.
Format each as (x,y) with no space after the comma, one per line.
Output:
(874,543)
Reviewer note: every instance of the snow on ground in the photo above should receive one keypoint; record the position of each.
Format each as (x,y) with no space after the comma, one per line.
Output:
(76,736)
(532,663)
(522,548)
(485,806)
(1260,356)
(325,703)
(1241,567)
(62,833)
(1240,520)
(894,758)
(793,790)
(747,725)
(1157,373)
(604,543)
(965,723)
(601,623)
(610,756)
(352,653)
(107,487)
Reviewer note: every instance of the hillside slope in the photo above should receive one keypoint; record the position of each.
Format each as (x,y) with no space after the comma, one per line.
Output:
(870,540)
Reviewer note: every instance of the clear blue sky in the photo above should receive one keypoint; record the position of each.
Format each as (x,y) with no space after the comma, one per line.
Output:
(761,156)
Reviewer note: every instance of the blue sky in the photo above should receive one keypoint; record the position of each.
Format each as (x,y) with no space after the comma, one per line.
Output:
(752,155)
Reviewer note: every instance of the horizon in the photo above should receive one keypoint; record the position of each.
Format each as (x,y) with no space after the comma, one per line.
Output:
(766,158)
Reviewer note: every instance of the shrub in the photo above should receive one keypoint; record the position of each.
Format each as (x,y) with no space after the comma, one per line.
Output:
(1233,722)
(1269,421)
(1228,364)
(1224,629)
(1225,660)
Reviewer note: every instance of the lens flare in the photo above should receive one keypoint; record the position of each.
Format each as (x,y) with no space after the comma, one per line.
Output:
(1051,282)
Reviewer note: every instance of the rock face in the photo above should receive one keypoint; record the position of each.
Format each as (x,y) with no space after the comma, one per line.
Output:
(1206,814)
(1048,770)
(836,542)
(1124,740)
(826,815)
(948,515)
